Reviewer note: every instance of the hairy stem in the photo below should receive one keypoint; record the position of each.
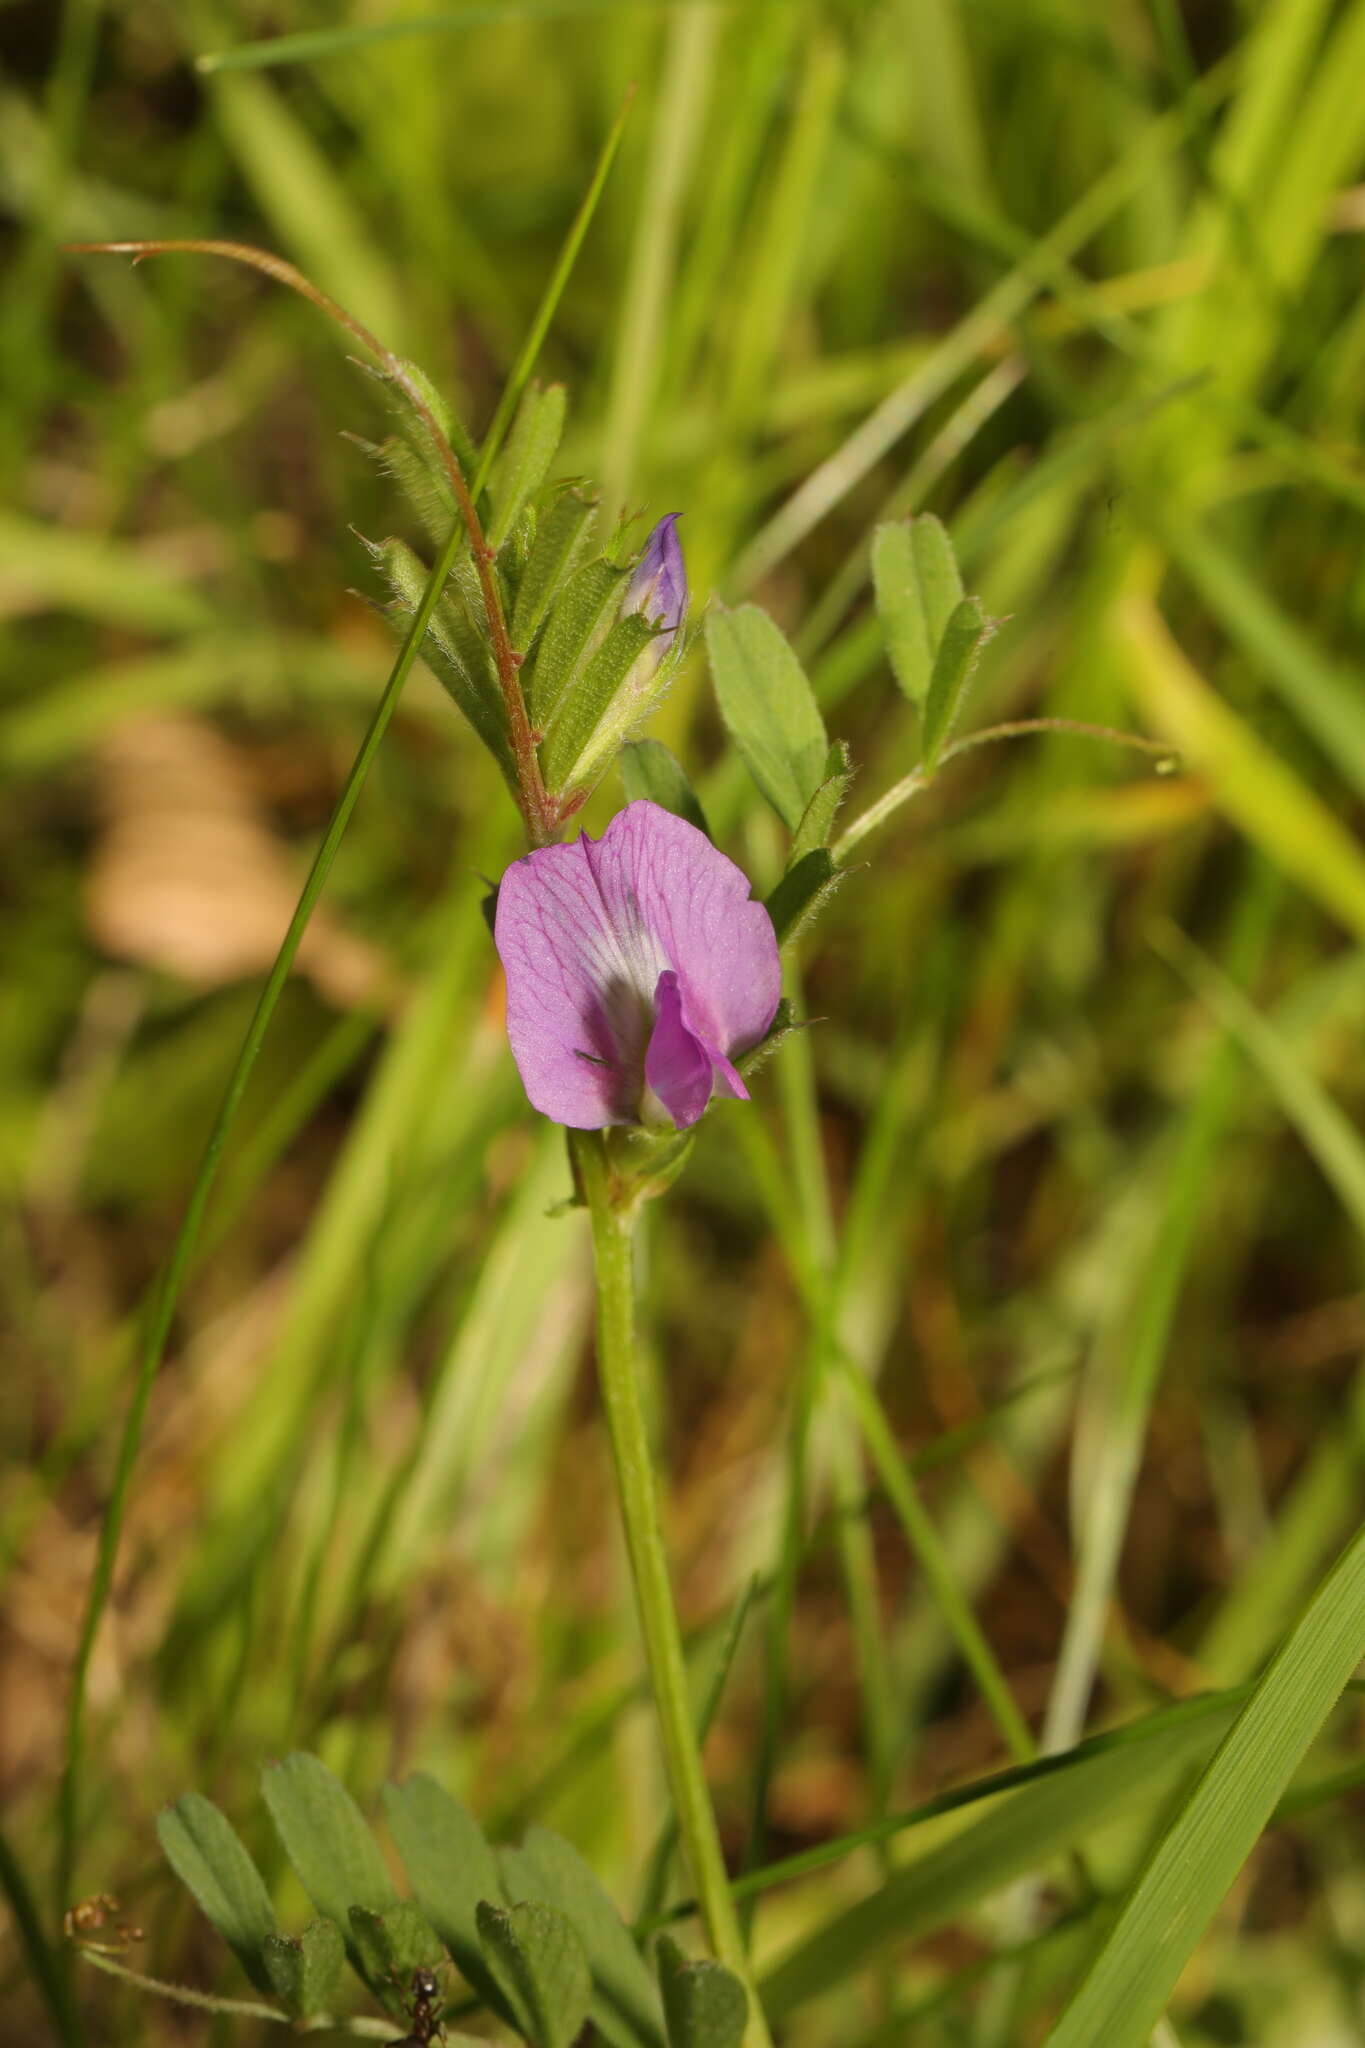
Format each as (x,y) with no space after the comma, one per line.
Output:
(1018,729)
(637,1489)
(537,809)
(250,2008)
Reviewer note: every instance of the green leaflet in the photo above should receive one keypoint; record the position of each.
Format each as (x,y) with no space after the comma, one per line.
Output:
(768,707)
(626,2002)
(803,892)
(514,556)
(394,1943)
(966,633)
(525,462)
(445,416)
(207,1855)
(817,820)
(918,585)
(538,1963)
(305,1969)
(412,458)
(579,613)
(454,649)
(649,770)
(426,487)
(611,696)
(451,1868)
(705,2005)
(561,531)
(335,1857)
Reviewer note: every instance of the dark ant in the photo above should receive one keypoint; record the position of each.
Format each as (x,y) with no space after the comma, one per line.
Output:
(424,2004)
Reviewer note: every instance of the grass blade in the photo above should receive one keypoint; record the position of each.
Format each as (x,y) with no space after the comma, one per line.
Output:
(933,1562)
(1326,1130)
(308,46)
(653,256)
(53,1982)
(1199,1856)
(1250,784)
(554,291)
(1024,1833)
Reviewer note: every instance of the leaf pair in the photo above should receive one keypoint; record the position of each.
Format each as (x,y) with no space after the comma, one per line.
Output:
(531,1930)
(934,634)
(543,1975)
(771,714)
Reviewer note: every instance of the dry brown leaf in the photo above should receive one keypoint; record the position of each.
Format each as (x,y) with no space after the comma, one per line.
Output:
(189,878)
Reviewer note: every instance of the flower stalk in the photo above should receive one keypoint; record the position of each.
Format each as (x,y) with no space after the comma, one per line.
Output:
(611,1207)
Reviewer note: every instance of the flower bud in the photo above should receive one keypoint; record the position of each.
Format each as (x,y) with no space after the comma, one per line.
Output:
(658,587)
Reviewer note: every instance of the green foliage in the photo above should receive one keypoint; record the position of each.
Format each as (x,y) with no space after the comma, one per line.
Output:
(918,587)
(455,649)
(577,618)
(206,1854)
(817,820)
(649,770)
(305,1969)
(412,458)
(451,1867)
(538,1963)
(562,531)
(549,1869)
(966,633)
(394,1943)
(525,462)
(1199,1855)
(530,1929)
(1108,331)
(335,1857)
(705,2005)
(803,892)
(592,718)
(769,709)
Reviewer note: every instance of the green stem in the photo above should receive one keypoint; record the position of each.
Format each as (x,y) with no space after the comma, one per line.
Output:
(251,2008)
(1018,729)
(48,1975)
(612,1234)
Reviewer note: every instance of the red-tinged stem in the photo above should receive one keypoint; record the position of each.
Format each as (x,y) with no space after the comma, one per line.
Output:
(538,810)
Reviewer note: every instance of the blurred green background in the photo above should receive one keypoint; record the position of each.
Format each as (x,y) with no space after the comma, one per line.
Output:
(1087,283)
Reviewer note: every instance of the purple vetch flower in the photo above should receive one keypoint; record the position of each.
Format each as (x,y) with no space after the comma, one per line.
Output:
(638,969)
(658,587)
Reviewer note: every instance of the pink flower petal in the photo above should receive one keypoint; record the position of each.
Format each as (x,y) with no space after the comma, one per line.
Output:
(677,1064)
(586,931)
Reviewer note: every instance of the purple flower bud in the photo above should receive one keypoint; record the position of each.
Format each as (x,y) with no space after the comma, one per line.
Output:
(638,969)
(658,587)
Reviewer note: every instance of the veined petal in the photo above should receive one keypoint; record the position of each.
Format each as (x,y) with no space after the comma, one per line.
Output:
(677,1063)
(636,954)
(663,875)
(580,992)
